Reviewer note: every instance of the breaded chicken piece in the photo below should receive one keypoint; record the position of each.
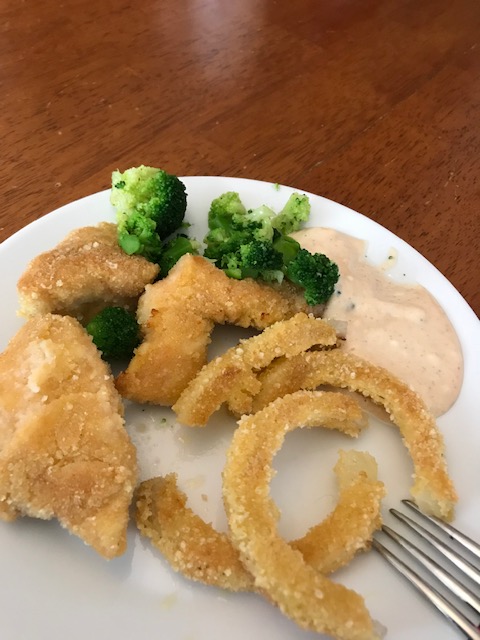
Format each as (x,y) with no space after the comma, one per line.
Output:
(64,450)
(177,316)
(83,274)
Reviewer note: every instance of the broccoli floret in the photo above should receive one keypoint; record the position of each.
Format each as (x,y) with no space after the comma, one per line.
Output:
(137,235)
(294,213)
(287,246)
(315,273)
(231,225)
(240,241)
(174,250)
(255,244)
(115,332)
(231,263)
(226,233)
(223,209)
(258,222)
(260,256)
(150,206)
(255,259)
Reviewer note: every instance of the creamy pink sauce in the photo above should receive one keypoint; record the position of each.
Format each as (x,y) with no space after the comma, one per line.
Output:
(396,326)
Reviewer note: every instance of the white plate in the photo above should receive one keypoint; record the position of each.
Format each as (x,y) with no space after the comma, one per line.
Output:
(53,586)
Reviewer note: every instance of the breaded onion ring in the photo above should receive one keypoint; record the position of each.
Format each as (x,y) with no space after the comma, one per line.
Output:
(302,593)
(433,489)
(349,528)
(195,549)
(177,315)
(191,546)
(231,377)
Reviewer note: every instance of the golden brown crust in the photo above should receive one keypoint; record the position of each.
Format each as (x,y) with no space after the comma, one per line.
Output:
(433,489)
(84,273)
(302,593)
(231,377)
(191,546)
(64,451)
(177,316)
(349,528)
(199,552)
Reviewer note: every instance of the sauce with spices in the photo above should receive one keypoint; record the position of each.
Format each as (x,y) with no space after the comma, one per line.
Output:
(399,327)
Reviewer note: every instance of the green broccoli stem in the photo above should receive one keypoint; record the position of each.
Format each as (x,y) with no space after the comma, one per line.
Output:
(287,246)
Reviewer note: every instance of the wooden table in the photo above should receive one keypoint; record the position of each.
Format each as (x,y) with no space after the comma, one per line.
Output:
(373,104)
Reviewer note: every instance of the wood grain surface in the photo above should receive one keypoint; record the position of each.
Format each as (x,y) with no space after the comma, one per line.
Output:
(373,104)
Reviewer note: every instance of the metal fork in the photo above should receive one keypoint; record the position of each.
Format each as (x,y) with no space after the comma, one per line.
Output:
(458,578)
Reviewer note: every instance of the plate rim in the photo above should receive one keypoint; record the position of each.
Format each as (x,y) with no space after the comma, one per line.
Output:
(458,298)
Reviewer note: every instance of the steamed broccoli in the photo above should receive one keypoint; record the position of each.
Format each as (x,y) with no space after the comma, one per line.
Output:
(252,260)
(288,247)
(137,234)
(115,332)
(150,206)
(255,244)
(294,213)
(315,273)
(224,208)
(173,250)
(231,225)
(236,234)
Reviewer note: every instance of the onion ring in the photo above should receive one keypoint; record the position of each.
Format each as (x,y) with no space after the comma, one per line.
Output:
(303,594)
(195,549)
(231,377)
(191,546)
(349,528)
(433,489)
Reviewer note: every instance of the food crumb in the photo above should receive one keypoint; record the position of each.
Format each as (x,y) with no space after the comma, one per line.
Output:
(195,482)
(169,601)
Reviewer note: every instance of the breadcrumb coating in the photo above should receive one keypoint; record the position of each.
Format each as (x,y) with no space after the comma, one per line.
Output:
(433,488)
(84,273)
(195,549)
(191,546)
(177,315)
(64,451)
(349,528)
(232,376)
(302,593)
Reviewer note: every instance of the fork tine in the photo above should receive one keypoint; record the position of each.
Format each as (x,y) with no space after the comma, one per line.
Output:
(457,535)
(439,572)
(471,631)
(454,557)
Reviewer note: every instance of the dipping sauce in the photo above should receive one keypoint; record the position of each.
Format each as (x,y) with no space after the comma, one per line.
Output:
(396,326)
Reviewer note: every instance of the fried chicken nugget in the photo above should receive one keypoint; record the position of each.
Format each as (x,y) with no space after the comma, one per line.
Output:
(195,549)
(177,316)
(64,451)
(433,488)
(84,273)
(302,593)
